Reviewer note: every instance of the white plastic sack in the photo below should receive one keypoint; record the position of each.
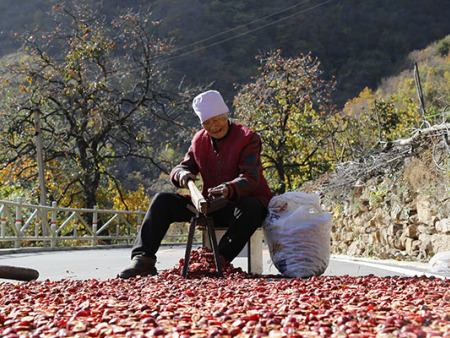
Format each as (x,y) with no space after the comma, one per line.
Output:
(297,232)
(440,262)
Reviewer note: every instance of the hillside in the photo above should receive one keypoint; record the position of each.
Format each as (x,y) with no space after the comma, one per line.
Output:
(394,202)
(396,205)
(360,42)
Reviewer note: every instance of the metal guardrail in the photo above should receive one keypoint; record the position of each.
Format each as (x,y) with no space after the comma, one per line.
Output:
(53,226)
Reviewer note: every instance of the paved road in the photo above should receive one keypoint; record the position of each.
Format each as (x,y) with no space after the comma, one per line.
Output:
(107,263)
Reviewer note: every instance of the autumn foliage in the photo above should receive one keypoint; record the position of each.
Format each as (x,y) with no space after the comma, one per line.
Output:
(101,99)
(288,105)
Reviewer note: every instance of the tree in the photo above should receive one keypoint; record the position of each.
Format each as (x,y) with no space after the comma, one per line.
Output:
(101,94)
(288,105)
(373,120)
(393,112)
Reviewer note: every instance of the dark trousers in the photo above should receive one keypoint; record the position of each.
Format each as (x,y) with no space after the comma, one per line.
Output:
(242,219)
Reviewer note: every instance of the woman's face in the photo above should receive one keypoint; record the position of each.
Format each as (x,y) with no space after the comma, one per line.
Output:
(217,126)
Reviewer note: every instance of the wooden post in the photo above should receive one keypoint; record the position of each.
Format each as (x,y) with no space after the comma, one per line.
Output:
(40,157)
(419,91)
(40,161)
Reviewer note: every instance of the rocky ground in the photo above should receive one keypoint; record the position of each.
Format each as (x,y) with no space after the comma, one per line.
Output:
(393,204)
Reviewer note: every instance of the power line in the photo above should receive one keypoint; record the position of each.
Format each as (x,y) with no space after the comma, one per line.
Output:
(239,27)
(238,35)
(245,33)
(241,34)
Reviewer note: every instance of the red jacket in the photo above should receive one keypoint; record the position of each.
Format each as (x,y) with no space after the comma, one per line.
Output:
(234,160)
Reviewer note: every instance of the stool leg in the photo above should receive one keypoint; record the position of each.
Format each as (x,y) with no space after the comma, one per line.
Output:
(213,241)
(254,253)
(187,254)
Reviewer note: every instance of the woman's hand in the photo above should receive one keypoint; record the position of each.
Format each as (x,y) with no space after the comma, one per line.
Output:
(183,177)
(219,191)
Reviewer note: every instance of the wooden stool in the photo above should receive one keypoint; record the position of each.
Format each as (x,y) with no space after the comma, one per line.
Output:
(205,223)
(254,248)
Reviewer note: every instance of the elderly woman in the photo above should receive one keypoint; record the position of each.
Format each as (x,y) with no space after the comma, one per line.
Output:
(227,156)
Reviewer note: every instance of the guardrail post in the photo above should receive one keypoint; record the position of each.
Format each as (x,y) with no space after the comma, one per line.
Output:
(53,224)
(94,225)
(75,226)
(3,224)
(139,221)
(18,222)
(36,226)
(46,219)
(117,226)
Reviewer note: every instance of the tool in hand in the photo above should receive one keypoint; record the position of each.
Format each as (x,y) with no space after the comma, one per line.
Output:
(201,220)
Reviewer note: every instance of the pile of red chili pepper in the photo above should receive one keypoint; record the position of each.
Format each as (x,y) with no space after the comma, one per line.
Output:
(236,305)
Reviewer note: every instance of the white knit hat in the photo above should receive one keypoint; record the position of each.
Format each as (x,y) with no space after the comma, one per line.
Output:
(209,104)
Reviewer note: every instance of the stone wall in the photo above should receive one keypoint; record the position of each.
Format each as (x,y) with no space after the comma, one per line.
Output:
(401,214)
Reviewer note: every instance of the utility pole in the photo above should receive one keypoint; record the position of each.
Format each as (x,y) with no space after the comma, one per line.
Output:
(420,92)
(40,160)
(40,157)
